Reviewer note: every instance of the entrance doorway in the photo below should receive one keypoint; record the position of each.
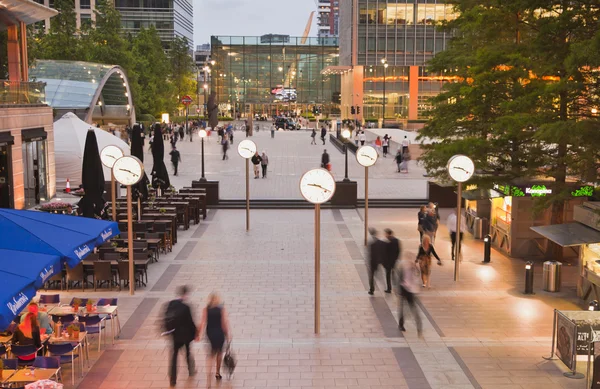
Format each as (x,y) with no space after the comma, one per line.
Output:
(5,176)
(35,172)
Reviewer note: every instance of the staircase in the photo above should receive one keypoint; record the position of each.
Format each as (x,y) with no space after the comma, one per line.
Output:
(303,204)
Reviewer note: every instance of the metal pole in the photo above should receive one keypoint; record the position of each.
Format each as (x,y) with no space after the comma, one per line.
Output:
(187,110)
(346,161)
(113,195)
(384,77)
(139,212)
(130,241)
(366,203)
(317,268)
(458,218)
(247,194)
(202,178)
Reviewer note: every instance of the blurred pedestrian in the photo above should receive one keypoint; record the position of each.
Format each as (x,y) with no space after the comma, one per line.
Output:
(398,160)
(225,146)
(377,253)
(405,161)
(181,131)
(323,134)
(175,159)
(385,144)
(362,138)
(313,135)
(378,144)
(407,289)
(429,223)
(264,163)
(215,323)
(256,161)
(325,160)
(272,130)
(405,144)
(179,323)
(426,250)
(421,217)
(356,132)
(451,224)
(436,215)
(392,253)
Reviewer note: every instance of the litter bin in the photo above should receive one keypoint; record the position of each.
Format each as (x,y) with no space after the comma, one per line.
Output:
(478,228)
(551,276)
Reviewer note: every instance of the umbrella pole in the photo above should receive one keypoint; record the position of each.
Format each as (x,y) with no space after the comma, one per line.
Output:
(139,209)
(130,241)
(113,195)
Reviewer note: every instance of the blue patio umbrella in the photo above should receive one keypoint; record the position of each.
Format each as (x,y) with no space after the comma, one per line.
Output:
(22,273)
(72,238)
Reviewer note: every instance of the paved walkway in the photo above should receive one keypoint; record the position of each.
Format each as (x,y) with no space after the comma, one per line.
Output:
(290,155)
(478,333)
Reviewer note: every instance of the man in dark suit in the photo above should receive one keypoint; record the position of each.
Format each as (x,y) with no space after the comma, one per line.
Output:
(180,323)
(377,251)
(391,256)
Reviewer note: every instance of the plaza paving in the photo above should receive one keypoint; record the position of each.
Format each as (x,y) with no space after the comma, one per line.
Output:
(290,155)
(478,333)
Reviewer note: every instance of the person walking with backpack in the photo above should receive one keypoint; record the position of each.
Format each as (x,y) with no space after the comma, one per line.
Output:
(179,323)
(215,323)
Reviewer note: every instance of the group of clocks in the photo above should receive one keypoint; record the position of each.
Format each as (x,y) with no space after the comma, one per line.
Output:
(127,169)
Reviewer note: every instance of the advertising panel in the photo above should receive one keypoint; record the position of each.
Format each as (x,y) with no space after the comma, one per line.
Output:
(565,329)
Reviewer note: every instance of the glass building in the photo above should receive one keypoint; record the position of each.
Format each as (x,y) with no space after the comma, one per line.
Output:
(388,43)
(274,74)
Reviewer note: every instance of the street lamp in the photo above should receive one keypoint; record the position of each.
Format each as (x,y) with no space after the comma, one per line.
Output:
(205,106)
(202,133)
(385,66)
(346,135)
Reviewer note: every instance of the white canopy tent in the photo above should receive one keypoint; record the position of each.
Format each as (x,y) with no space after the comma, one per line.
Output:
(69,142)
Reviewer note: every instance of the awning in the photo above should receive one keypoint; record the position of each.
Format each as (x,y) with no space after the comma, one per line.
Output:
(481,194)
(14,11)
(569,234)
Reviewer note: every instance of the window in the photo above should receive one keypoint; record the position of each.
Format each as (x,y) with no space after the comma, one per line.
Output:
(86,20)
(85,4)
(400,14)
(434,13)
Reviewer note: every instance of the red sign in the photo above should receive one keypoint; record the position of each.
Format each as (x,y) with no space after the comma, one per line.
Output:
(186,100)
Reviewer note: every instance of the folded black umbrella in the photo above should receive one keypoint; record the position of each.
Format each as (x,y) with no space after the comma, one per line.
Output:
(92,203)
(140,190)
(160,176)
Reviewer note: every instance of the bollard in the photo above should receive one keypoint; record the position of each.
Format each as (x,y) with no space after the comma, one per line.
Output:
(529,277)
(594,306)
(487,249)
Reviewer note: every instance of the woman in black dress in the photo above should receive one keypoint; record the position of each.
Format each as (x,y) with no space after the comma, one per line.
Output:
(216,324)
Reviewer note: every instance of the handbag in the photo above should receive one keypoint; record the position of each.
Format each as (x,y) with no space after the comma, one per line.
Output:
(229,361)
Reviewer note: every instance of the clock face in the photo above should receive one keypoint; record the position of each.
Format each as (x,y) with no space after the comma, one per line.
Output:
(246,148)
(109,155)
(128,170)
(366,156)
(461,168)
(317,186)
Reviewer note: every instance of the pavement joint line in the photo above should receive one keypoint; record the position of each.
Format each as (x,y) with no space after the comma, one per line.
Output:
(464,368)
(411,370)
(137,318)
(166,278)
(186,250)
(430,318)
(200,230)
(100,369)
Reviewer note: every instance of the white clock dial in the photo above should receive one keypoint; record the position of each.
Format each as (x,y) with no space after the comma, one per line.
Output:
(317,186)
(109,155)
(366,156)
(128,170)
(461,168)
(246,148)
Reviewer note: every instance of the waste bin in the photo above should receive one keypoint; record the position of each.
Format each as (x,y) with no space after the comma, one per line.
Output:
(551,276)
(477,228)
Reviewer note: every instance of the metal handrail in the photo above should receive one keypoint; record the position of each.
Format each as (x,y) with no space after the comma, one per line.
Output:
(19,92)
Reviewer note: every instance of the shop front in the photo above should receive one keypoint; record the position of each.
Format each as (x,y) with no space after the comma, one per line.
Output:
(478,206)
(6,142)
(35,171)
(583,236)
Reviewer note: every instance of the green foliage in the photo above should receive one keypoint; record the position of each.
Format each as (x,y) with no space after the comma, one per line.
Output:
(182,68)
(62,40)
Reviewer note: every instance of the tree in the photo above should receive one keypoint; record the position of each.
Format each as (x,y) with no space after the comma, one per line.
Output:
(182,67)
(153,69)
(522,86)
(62,42)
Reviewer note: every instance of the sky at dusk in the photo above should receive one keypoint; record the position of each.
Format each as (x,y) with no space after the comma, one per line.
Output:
(251,17)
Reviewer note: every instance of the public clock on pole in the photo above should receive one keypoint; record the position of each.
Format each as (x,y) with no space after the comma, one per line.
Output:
(128,170)
(461,168)
(317,186)
(110,154)
(246,148)
(366,156)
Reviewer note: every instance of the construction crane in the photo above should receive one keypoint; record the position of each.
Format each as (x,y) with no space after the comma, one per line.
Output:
(291,73)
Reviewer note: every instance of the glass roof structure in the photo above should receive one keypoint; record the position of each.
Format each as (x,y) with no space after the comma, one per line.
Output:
(88,89)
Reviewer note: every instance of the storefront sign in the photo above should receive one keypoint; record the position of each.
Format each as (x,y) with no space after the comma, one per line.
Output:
(584,337)
(538,191)
(596,367)
(565,329)
(471,187)
(509,190)
(584,191)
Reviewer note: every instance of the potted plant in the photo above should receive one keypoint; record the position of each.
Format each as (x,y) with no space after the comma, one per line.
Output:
(73,331)
(89,305)
(162,210)
(114,244)
(76,304)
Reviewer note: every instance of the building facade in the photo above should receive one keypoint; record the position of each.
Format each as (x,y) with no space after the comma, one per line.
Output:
(84,12)
(171,18)
(328,18)
(384,46)
(274,74)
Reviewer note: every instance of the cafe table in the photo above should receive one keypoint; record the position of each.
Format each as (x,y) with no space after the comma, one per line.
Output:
(81,345)
(108,310)
(6,374)
(5,339)
(31,375)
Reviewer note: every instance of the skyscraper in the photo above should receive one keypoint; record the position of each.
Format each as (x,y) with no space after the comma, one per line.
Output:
(328,19)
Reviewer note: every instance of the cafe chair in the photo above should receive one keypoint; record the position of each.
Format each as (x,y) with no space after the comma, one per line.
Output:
(64,319)
(124,235)
(2,350)
(103,273)
(167,243)
(114,302)
(12,364)
(76,275)
(26,350)
(50,299)
(48,363)
(123,269)
(94,325)
(58,278)
(92,257)
(154,247)
(66,353)
(108,257)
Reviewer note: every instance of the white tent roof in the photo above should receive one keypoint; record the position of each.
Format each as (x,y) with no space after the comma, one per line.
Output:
(69,142)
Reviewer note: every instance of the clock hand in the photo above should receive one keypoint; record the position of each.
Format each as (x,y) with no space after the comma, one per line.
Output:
(463,169)
(112,156)
(320,187)
(130,172)
(368,156)
(245,148)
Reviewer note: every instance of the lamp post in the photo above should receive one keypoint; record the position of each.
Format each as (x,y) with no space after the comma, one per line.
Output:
(346,135)
(385,66)
(205,92)
(317,186)
(366,156)
(246,149)
(460,169)
(202,134)
(109,156)
(128,171)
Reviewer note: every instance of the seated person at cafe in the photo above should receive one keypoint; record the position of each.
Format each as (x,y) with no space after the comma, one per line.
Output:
(42,318)
(28,333)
